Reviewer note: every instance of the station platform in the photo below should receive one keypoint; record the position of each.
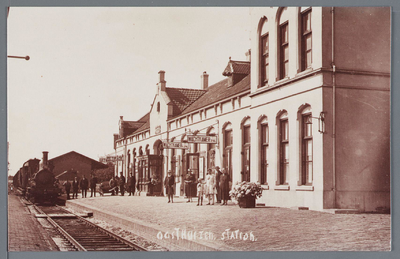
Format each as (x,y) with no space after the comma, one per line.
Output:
(24,232)
(182,226)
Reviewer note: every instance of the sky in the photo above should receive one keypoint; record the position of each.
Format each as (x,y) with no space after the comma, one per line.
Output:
(88,66)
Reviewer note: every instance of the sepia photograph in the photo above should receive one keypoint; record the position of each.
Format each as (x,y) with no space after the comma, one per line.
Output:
(199,128)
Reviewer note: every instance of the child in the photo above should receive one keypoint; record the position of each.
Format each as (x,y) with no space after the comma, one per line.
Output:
(200,192)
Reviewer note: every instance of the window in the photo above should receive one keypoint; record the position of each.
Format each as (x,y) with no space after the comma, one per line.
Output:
(264,60)
(128,164)
(228,144)
(306,40)
(158,107)
(246,151)
(283,149)
(306,150)
(284,50)
(264,131)
(133,169)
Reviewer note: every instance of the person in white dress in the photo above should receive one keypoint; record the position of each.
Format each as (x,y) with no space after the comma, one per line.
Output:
(210,186)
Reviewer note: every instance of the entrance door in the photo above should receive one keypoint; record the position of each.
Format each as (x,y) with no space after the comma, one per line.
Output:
(193,164)
(155,167)
(142,173)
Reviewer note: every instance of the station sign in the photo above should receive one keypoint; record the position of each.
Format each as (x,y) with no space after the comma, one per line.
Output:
(111,159)
(175,145)
(202,139)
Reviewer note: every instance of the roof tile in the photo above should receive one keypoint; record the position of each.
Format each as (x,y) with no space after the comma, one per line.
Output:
(218,92)
(237,67)
(182,98)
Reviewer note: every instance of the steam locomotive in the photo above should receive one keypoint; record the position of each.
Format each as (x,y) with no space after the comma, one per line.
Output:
(35,180)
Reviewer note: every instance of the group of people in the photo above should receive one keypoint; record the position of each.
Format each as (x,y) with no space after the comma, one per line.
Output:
(117,184)
(214,184)
(83,184)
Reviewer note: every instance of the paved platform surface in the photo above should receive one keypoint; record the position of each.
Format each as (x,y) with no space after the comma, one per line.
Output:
(258,229)
(24,231)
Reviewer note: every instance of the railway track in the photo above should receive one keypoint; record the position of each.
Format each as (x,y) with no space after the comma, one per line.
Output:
(82,234)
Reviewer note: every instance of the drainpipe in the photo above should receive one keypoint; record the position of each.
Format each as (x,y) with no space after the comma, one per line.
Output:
(125,161)
(333,109)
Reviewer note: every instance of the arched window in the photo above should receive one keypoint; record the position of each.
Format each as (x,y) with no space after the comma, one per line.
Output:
(133,169)
(283,43)
(245,125)
(305,38)
(228,146)
(173,159)
(158,107)
(157,148)
(264,52)
(263,131)
(128,164)
(306,149)
(283,147)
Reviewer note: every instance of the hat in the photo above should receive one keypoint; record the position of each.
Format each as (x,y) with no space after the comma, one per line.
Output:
(217,167)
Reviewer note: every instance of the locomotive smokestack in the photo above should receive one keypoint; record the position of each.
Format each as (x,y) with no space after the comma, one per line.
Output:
(45,157)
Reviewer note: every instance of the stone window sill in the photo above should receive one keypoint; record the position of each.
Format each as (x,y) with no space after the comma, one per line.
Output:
(265,187)
(305,188)
(282,187)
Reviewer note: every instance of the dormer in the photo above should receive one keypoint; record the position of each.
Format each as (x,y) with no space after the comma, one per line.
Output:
(236,71)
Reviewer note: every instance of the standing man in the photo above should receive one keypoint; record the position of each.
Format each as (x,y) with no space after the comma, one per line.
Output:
(75,187)
(217,179)
(169,186)
(93,182)
(224,186)
(67,186)
(122,184)
(84,186)
(132,184)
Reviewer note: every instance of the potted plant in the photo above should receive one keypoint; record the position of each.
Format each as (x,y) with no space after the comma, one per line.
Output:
(246,193)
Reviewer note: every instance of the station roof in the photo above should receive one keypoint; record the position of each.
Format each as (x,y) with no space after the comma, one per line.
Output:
(95,164)
(186,100)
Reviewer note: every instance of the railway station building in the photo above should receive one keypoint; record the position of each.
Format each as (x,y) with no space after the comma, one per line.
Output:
(71,164)
(307,115)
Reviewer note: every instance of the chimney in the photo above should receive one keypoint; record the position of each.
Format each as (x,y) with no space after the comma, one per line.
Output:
(45,157)
(204,81)
(248,55)
(162,83)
